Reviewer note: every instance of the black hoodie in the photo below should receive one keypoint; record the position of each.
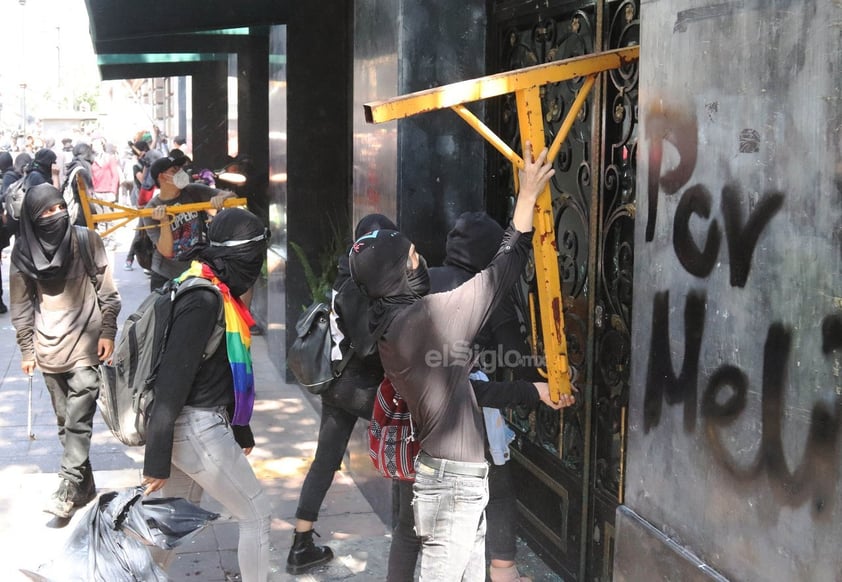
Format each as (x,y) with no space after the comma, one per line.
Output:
(350,324)
(471,245)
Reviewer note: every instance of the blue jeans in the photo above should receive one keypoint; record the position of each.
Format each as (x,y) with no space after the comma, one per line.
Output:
(205,457)
(449,510)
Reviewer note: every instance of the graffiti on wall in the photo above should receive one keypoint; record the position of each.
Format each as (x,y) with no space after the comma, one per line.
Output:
(724,397)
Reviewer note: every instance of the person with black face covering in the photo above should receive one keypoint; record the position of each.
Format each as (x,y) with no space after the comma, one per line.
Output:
(349,397)
(5,233)
(65,324)
(471,245)
(78,168)
(193,443)
(451,481)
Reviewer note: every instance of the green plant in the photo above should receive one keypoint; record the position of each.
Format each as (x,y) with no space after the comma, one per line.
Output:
(320,278)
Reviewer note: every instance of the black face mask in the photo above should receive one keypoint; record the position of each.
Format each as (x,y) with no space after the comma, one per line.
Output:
(51,230)
(419,278)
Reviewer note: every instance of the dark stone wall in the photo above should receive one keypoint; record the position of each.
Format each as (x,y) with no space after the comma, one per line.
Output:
(210,118)
(319,138)
(441,160)
(424,171)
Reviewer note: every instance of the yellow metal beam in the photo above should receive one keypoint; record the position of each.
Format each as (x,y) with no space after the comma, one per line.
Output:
(489,135)
(525,84)
(498,84)
(546,254)
(126,214)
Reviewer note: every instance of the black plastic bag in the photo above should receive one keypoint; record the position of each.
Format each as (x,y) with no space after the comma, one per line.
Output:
(110,543)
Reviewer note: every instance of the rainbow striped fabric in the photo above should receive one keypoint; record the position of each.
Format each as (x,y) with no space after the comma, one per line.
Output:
(238,320)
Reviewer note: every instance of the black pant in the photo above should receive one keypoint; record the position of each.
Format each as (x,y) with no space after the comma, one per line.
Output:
(343,403)
(73,394)
(133,246)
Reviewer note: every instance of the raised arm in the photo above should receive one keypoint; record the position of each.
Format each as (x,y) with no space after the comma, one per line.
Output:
(533,179)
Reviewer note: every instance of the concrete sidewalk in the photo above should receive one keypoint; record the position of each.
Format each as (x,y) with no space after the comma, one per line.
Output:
(285,424)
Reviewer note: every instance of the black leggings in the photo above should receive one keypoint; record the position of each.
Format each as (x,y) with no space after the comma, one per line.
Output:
(344,402)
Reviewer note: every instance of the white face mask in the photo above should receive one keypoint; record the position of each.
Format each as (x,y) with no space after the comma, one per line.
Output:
(180,179)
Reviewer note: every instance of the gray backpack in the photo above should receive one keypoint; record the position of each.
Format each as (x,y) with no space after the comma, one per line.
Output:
(128,379)
(13,200)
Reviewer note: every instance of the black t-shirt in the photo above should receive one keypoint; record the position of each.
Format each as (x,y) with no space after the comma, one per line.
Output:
(426,352)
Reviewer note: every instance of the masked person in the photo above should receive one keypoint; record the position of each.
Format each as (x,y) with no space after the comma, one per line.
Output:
(65,324)
(471,245)
(192,443)
(451,486)
(79,169)
(175,235)
(349,397)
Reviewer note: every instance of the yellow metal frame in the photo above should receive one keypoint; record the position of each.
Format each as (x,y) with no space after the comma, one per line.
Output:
(525,84)
(125,214)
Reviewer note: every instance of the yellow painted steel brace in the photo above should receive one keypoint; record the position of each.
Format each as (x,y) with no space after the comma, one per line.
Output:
(125,214)
(525,84)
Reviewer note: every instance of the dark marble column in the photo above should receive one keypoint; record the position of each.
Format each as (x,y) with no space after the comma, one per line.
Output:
(441,160)
(210,114)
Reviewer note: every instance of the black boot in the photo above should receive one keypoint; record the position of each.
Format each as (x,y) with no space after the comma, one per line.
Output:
(304,554)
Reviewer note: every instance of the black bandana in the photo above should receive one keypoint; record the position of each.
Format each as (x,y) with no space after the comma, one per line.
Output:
(236,248)
(42,249)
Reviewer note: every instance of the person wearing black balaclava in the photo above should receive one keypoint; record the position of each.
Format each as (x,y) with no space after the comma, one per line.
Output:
(349,397)
(40,170)
(424,336)
(16,172)
(471,245)
(194,442)
(79,168)
(65,321)
(5,233)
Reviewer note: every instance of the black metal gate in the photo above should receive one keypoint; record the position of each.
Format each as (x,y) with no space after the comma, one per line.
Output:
(569,466)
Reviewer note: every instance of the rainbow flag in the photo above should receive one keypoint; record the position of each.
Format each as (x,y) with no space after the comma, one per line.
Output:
(238,320)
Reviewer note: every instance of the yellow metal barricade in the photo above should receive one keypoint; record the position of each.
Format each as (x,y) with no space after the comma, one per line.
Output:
(122,215)
(525,84)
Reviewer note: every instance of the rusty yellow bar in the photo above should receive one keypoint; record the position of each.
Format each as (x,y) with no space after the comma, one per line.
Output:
(83,199)
(546,253)
(581,97)
(534,326)
(489,136)
(496,85)
(126,214)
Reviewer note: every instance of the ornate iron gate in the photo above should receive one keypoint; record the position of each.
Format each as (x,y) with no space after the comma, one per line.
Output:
(569,466)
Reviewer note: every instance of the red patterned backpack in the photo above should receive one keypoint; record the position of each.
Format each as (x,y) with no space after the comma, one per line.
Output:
(391,435)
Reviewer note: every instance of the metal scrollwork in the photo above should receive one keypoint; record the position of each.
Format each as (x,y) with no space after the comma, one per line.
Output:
(615,263)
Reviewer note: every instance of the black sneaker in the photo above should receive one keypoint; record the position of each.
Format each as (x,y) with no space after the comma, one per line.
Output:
(3,308)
